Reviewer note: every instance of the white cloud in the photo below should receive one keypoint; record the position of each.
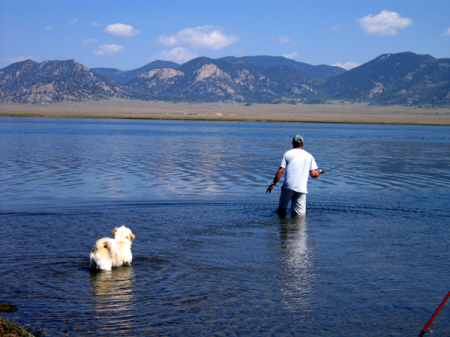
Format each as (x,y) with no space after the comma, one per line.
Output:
(206,37)
(447,32)
(48,28)
(96,24)
(121,30)
(179,55)
(89,41)
(348,65)
(73,21)
(385,23)
(291,56)
(108,50)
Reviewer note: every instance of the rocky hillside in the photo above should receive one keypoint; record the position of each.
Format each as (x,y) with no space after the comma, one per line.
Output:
(208,80)
(123,76)
(319,71)
(55,81)
(404,78)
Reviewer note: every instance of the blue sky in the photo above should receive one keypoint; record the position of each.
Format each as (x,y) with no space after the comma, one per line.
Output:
(128,34)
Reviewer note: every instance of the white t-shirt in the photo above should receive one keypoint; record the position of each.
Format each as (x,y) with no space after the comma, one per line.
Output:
(297,164)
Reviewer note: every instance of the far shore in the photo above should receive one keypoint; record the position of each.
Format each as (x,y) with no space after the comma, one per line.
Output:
(335,112)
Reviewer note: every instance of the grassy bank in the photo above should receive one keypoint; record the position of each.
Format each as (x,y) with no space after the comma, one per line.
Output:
(341,121)
(336,112)
(12,329)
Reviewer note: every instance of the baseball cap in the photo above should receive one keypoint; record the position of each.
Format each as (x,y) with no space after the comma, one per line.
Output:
(297,139)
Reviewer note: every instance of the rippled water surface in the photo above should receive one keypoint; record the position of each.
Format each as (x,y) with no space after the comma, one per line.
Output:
(210,257)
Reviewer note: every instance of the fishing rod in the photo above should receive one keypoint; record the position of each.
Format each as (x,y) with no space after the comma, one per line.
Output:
(434,316)
(323,171)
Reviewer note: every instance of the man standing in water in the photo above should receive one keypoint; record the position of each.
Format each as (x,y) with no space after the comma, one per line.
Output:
(297,163)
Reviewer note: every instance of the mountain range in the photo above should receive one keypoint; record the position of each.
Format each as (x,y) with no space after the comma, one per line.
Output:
(402,78)
(320,71)
(208,80)
(55,81)
(123,76)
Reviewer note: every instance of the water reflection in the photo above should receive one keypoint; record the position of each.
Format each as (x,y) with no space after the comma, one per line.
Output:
(296,260)
(112,293)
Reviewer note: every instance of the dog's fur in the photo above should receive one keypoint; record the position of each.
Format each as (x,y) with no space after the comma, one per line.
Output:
(108,253)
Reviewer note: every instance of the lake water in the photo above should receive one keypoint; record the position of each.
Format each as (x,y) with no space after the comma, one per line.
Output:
(211,257)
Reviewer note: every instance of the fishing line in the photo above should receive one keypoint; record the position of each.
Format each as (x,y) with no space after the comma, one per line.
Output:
(323,171)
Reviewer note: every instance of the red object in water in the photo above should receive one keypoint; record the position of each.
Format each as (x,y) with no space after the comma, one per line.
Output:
(434,316)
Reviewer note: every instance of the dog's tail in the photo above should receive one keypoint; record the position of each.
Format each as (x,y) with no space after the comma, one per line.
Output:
(103,253)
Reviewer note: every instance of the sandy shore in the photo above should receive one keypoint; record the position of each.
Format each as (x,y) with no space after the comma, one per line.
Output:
(334,112)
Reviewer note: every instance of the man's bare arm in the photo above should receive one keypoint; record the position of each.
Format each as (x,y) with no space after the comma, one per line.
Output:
(277,177)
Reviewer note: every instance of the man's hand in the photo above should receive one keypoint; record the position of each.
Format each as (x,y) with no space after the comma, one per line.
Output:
(278,176)
(314,173)
(270,188)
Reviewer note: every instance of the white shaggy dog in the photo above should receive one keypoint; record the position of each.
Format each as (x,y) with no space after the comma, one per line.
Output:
(108,253)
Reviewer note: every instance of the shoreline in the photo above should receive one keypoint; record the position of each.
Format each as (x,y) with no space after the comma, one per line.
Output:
(335,112)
